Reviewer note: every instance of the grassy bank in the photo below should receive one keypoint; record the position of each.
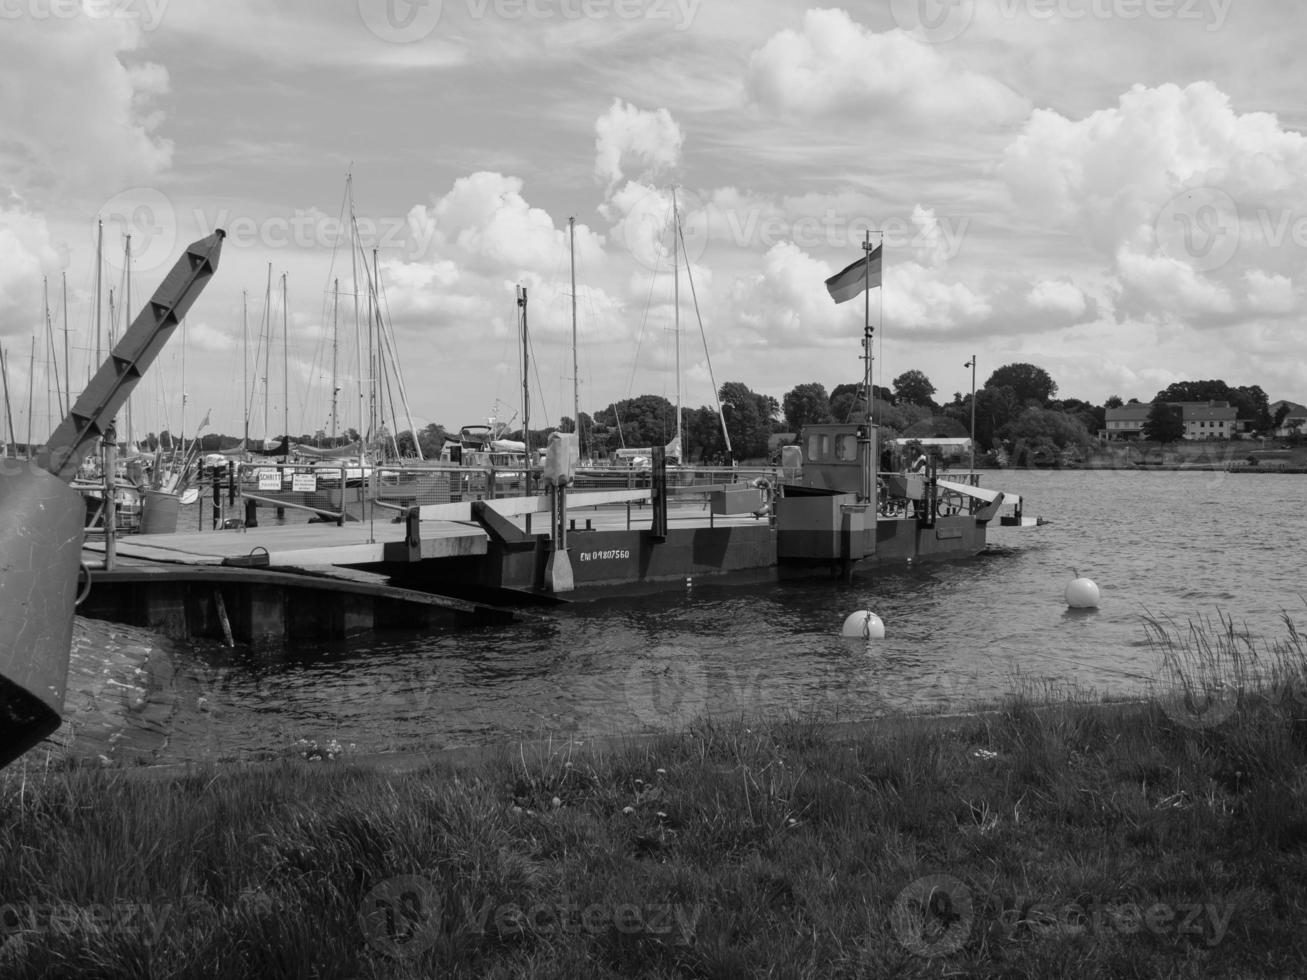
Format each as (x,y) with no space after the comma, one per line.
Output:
(1039,840)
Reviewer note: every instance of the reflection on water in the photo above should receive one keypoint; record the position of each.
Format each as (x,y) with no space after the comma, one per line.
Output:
(1183,545)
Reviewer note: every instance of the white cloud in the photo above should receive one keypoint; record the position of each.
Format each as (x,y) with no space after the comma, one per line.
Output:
(1057,296)
(83,121)
(26,254)
(834,66)
(1156,181)
(627,136)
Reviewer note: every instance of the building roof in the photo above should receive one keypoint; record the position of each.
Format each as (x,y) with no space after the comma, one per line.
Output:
(1208,412)
(1129,413)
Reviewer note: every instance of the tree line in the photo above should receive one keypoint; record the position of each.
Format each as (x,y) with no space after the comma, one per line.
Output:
(1017,416)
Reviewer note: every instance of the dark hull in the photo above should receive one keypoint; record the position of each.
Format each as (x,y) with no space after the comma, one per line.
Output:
(606,562)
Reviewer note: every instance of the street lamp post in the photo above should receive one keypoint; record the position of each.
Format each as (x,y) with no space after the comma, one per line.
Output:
(972,364)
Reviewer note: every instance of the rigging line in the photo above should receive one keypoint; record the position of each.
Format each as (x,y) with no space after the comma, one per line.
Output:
(535,365)
(644,321)
(704,337)
(388,328)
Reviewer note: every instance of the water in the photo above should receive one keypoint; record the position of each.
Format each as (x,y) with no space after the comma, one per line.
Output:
(1182,545)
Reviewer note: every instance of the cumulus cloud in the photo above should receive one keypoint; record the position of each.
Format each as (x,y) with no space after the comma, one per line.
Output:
(86,122)
(482,238)
(26,253)
(487,222)
(627,136)
(1188,197)
(1057,296)
(834,66)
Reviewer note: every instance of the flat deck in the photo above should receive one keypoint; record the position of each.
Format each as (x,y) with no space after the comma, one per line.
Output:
(358,543)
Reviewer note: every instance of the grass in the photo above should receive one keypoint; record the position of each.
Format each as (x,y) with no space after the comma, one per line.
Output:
(1047,838)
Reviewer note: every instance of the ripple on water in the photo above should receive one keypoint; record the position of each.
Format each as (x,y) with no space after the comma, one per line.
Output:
(1162,545)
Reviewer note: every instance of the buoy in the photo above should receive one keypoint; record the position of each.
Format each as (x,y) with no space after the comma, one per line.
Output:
(1081,593)
(864,625)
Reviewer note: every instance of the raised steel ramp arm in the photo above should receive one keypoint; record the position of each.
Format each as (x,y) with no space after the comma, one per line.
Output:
(140,345)
(42,518)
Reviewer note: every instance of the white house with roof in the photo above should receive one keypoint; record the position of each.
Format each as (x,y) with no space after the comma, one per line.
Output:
(1295,419)
(1202,420)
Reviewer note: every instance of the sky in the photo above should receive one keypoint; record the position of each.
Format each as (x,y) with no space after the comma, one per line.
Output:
(1114,190)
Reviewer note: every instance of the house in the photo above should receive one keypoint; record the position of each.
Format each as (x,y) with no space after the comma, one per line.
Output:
(1126,422)
(1209,420)
(1295,420)
(1202,420)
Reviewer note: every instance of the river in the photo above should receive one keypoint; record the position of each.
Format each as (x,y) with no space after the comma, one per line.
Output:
(1183,546)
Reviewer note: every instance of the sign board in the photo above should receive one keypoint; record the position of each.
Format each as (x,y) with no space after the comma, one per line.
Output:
(304,482)
(269,479)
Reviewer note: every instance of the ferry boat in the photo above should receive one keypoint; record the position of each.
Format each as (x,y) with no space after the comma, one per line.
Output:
(827,512)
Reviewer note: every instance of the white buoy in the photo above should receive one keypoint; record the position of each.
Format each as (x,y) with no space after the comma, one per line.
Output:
(1081,592)
(864,625)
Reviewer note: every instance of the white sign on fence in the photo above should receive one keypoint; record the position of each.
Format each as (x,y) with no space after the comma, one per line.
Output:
(304,481)
(269,479)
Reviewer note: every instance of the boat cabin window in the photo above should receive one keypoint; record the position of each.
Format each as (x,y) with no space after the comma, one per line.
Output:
(846,447)
(818,446)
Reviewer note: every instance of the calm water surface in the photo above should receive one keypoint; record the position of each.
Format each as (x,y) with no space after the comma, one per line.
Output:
(1188,546)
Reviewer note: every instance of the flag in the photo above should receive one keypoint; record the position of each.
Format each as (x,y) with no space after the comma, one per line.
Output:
(850,283)
(204,422)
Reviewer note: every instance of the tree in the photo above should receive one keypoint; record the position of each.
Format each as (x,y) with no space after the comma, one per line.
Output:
(805,404)
(703,434)
(1113,401)
(641,422)
(847,402)
(748,419)
(996,408)
(1165,423)
(1028,382)
(914,388)
(1035,426)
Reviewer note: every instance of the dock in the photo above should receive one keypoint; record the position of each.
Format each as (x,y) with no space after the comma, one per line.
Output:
(278,585)
(285,584)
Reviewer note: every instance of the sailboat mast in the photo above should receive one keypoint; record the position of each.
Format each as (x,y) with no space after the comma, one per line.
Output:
(285,361)
(335,324)
(526,391)
(267,353)
(354,272)
(378,367)
(576,373)
(99,243)
(49,352)
(676,307)
(31,376)
(245,366)
(68,377)
(127,319)
(9,412)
